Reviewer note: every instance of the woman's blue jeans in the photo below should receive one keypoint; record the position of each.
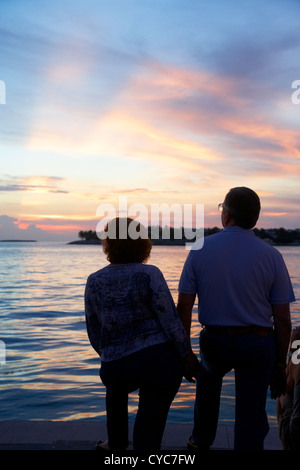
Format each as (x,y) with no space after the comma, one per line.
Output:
(156,372)
(252,357)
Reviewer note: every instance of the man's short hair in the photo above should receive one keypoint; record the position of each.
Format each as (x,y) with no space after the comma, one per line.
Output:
(244,206)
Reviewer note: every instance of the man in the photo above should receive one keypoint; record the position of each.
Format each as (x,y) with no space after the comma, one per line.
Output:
(244,292)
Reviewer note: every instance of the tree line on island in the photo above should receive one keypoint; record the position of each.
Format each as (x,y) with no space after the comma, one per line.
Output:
(275,236)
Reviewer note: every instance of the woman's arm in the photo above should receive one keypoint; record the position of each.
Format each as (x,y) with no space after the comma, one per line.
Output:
(93,324)
(164,307)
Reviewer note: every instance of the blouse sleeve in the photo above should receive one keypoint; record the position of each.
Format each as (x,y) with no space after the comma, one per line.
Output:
(167,314)
(93,324)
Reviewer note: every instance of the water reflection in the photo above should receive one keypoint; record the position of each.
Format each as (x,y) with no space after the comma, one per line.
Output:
(51,371)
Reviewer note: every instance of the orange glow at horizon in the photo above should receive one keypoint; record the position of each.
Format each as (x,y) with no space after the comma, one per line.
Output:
(274,214)
(59,228)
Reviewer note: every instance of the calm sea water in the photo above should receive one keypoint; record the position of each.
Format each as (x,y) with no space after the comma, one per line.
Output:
(51,371)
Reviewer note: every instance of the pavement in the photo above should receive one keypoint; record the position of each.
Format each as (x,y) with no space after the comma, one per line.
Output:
(82,435)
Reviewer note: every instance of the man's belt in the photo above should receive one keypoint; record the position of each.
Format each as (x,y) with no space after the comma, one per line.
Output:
(239,330)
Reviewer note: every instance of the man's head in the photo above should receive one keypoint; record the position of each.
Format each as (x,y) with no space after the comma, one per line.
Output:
(241,207)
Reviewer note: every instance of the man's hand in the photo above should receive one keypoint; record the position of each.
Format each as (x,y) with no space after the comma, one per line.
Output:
(278,383)
(191,366)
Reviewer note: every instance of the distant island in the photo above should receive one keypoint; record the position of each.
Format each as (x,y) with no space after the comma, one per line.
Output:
(274,236)
(18,241)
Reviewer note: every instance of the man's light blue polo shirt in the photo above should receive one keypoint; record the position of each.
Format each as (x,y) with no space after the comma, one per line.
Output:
(237,278)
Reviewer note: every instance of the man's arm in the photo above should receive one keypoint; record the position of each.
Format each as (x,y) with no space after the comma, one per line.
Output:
(184,307)
(282,332)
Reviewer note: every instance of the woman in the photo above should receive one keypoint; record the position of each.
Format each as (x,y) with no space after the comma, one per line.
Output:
(132,323)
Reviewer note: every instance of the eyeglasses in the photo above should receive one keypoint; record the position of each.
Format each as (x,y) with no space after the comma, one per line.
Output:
(221,206)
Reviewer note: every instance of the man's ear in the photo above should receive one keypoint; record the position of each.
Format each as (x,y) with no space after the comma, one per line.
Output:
(226,217)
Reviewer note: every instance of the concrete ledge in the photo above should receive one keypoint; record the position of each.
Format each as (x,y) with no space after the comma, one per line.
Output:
(82,435)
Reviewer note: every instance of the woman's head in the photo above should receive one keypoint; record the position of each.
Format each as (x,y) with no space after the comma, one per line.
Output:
(126,241)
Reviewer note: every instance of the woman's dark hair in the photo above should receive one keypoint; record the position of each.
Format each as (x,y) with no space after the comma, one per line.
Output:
(244,206)
(126,241)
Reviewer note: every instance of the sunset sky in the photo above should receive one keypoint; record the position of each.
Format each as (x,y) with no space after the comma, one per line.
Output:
(169,101)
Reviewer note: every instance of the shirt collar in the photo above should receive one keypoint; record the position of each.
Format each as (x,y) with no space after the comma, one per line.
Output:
(236,229)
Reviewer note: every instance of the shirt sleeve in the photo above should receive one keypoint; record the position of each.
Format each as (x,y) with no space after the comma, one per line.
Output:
(164,307)
(282,290)
(93,324)
(187,282)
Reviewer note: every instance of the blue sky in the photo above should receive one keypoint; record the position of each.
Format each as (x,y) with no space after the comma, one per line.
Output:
(163,101)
